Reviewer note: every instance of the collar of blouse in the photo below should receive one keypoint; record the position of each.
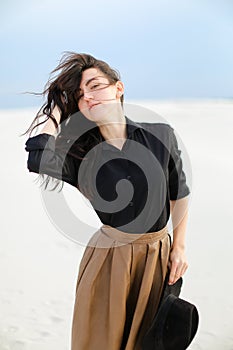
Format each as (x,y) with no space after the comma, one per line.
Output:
(131,126)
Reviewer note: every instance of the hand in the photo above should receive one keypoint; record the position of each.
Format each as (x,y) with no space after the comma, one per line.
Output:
(177,264)
(49,127)
(57,114)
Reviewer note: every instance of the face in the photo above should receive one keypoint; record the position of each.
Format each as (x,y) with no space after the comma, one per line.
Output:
(98,99)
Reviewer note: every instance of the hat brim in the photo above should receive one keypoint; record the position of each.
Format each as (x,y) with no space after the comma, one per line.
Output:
(173,327)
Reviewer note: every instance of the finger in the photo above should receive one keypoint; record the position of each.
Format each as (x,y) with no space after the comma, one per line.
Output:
(184,268)
(173,273)
(178,274)
(180,271)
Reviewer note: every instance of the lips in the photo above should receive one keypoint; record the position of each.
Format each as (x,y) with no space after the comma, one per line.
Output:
(93,105)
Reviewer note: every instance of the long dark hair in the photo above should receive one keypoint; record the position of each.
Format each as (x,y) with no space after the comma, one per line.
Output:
(62,90)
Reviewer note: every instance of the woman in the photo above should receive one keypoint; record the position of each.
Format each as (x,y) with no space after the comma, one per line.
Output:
(132,174)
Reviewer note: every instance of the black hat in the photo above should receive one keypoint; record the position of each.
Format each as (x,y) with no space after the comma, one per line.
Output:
(175,323)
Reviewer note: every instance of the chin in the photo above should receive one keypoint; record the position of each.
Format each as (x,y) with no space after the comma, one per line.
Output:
(94,117)
(102,112)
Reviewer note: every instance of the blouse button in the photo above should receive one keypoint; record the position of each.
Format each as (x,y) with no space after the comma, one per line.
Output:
(130,204)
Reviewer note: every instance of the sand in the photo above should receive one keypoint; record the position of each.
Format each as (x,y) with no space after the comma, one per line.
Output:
(39,265)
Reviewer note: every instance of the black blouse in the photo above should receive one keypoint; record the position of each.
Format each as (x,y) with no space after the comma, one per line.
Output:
(134,185)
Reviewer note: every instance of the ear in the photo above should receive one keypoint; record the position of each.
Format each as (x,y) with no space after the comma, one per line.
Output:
(120,88)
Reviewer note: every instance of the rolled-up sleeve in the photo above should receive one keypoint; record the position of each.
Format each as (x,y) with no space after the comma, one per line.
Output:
(178,187)
(44,159)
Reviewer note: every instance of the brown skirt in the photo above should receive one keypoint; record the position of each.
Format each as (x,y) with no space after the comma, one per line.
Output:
(120,280)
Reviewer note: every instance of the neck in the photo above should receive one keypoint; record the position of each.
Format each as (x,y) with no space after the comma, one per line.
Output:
(114,128)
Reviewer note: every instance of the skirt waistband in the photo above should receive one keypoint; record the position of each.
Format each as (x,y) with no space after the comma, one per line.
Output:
(125,237)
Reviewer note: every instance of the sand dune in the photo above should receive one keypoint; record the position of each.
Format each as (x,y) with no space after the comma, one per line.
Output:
(39,265)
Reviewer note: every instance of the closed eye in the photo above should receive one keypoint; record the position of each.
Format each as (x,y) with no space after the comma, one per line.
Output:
(95,86)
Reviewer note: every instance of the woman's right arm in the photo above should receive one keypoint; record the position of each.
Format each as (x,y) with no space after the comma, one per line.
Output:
(43,157)
(49,127)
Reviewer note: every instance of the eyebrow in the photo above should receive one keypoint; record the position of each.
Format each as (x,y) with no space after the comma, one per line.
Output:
(90,80)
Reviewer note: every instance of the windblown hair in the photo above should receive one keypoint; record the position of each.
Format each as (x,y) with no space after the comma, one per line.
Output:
(62,90)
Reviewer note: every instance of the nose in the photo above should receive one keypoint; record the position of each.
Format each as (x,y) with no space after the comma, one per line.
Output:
(87,95)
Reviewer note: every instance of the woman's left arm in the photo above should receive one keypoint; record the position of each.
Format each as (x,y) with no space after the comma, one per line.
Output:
(177,260)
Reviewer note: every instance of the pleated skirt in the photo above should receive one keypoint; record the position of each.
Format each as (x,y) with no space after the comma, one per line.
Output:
(120,281)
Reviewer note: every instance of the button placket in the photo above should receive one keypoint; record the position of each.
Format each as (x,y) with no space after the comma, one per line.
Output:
(129,177)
